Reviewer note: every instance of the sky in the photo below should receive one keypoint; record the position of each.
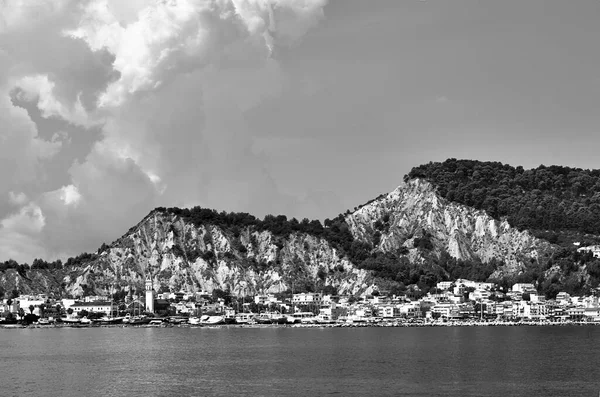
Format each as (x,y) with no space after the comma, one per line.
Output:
(110,108)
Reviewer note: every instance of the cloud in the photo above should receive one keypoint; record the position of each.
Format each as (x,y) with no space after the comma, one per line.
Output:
(39,88)
(19,233)
(17,198)
(167,82)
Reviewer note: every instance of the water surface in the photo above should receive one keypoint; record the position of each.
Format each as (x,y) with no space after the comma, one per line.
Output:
(448,361)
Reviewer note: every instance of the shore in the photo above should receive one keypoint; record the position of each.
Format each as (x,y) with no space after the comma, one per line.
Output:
(387,324)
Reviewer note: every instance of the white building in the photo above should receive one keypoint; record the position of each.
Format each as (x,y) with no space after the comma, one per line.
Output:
(307,298)
(524,288)
(264,299)
(444,285)
(96,307)
(594,249)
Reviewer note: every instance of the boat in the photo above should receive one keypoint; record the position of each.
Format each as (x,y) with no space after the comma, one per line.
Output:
(306,317)
(155,322)
(271,318)
(43,321)
(290,319)
(229,316)
(138,320)
(178,320)
(109,321)
(245,318)
(67,320)
(194,321)
(324,319)
(212,320)
(278,318)
(264,318)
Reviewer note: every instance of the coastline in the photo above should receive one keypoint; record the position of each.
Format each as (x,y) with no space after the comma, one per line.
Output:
(379,324)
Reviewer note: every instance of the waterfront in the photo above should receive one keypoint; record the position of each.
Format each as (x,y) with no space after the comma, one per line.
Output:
(453,361)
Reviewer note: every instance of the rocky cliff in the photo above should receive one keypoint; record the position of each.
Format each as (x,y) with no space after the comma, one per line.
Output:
(200,249)
(177,254)
(414,209)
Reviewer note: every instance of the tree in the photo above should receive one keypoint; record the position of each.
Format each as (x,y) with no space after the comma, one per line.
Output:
(14,293)
(69,311)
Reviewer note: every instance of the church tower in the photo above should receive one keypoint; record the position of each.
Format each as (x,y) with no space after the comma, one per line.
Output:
(149,295)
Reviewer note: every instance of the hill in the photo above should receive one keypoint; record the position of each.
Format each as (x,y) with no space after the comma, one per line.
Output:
(445,221)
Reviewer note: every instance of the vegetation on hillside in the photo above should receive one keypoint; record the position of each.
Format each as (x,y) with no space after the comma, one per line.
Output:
(551,199)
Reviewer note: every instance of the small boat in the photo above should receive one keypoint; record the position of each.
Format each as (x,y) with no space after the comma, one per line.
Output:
(67,320)
(278,318)
(155,323)
(264,318)
(292,320)
(324,319)
(137,320)
(212,320)
(305,317)
(43,321)
(245,318)
(109,321)
(194,321)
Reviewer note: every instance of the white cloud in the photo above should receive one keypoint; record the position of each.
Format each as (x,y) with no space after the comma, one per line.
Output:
(17,198)
(40,88)
(20,232)
(29,220)
(174,80)
(70,195)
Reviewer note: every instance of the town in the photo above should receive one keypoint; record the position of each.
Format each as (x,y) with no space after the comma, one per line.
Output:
(459,302)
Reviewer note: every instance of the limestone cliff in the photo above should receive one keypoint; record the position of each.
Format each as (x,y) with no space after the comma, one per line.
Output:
(200,249)
(180,255)
(415,208)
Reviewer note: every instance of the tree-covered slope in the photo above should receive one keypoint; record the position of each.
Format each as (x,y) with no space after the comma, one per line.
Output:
(544,199)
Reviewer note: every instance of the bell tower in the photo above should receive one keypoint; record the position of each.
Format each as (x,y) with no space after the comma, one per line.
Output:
(149,295)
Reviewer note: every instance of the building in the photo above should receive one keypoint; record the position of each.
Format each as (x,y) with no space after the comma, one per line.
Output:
(524,288)
(149,295)
(563,298)
(96,307)
(333,311)
(446,310)
(264,299)
(307,298)
(594,249)
(444,285)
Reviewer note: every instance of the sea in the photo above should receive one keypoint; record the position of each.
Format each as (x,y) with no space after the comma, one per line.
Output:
(436,361)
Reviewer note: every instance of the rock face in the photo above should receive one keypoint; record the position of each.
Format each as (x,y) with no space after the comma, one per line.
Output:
(181,254)
(415,209)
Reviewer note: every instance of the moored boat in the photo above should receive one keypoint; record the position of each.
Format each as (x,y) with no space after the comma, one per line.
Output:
(245,318)
(139,320)
(212,320)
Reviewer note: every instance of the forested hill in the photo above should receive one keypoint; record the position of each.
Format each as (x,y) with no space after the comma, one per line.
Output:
(548,200)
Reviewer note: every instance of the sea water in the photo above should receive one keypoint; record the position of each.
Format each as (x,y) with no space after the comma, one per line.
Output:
(444,361)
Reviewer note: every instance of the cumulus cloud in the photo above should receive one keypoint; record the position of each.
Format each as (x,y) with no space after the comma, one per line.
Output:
(168,83)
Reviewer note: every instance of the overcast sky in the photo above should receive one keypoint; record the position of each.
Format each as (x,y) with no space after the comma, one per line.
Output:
(109,108)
